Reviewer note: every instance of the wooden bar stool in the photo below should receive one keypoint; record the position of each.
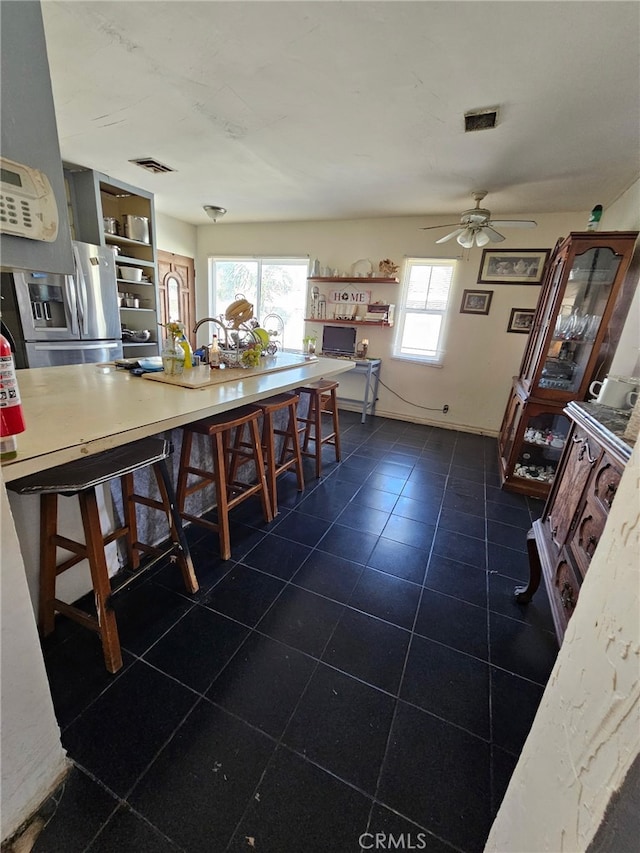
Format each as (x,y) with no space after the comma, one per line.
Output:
(81,478)
(290,456)
(322,400)
(230,451)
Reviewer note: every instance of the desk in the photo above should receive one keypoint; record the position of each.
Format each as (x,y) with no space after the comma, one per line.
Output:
(370,369)
(77,410)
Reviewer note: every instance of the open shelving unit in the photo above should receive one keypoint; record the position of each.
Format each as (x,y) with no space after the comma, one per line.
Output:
(364,283)
(94,197)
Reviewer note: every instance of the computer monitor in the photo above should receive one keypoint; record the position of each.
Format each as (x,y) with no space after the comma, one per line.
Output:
(339,340)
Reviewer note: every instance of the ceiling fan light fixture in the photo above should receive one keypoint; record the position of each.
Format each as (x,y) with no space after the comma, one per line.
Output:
(482,238)
(466,238)
(214,212)
(476,225)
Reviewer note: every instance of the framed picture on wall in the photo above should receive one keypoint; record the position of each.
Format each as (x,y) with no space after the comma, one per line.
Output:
(512,266)
(476,301)
(521,320)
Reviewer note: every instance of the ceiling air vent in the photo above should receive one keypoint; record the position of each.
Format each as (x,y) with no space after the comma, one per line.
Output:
(152,165)
(480,119)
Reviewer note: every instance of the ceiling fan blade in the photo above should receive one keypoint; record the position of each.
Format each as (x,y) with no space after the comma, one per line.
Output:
(493,235)
(451,236)
(514,223)
(431,227)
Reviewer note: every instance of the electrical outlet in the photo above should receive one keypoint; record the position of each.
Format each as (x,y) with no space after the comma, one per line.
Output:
(445,408)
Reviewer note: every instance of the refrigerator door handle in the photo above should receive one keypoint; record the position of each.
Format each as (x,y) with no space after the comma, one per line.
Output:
(82,292)
(71,307)
(74,345)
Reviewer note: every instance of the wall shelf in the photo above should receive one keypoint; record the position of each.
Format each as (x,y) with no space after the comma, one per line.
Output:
(356,280)
(347,322)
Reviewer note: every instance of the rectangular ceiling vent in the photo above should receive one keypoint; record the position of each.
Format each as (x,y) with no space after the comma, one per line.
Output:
(152,165)
(480,119)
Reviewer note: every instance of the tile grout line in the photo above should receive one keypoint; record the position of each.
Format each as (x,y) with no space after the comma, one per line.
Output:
(403,671)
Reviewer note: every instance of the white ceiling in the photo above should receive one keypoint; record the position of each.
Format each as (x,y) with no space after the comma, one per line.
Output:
(323,110)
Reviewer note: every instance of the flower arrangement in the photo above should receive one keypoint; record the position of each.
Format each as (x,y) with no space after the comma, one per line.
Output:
(174,330)
(173,355)
(387,268)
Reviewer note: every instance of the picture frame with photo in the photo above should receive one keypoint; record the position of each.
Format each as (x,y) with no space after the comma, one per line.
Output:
(512,266)
(476,301)
(521,320)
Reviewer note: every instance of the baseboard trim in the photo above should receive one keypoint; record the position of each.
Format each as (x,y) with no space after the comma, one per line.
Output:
(442,424)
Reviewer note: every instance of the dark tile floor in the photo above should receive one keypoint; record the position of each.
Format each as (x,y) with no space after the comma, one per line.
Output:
(359,666)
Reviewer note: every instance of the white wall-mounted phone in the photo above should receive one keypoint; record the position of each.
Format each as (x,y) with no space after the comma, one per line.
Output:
(27,204)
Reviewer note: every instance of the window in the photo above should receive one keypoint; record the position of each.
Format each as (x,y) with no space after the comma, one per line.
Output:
(420,330)
(273,285)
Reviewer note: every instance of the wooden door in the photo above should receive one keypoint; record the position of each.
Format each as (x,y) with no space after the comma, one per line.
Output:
(177,291)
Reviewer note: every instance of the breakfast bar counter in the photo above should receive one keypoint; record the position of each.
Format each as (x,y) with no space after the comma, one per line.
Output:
(82,409)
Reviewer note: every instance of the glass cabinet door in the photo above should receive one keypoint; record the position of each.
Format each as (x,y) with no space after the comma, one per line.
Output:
(543,440)
(577,322)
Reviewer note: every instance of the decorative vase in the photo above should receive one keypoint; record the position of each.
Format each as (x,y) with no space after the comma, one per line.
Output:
(172,357)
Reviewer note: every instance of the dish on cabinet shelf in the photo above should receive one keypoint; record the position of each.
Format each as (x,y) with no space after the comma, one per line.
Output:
(362,268)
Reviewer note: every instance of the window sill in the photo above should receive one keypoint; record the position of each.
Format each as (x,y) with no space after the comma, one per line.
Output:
(414,360)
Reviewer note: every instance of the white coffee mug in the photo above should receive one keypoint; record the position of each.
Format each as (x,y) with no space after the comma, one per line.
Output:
(632,399)
(614,392)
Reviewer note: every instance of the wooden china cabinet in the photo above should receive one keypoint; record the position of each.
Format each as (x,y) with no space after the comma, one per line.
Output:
(582,308)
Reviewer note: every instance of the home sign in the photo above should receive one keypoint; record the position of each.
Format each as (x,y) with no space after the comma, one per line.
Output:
(361,297)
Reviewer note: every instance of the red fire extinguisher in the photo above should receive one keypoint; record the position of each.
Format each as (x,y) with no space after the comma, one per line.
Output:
(10,408)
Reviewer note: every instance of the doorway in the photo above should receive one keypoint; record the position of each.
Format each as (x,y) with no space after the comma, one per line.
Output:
(177,291)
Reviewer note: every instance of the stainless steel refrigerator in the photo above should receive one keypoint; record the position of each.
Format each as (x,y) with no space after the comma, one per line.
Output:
(58,319)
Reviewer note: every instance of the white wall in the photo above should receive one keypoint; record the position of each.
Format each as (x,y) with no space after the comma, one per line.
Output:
(624,215)
(173,235)
(481,356)
(33,760)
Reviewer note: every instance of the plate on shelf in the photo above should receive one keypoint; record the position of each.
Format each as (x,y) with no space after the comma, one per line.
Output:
(362,268)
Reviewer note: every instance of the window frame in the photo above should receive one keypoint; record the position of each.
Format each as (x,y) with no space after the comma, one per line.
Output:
(260,260)
(402,312)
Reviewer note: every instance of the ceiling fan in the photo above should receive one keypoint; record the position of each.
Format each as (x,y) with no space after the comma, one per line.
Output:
(476,225)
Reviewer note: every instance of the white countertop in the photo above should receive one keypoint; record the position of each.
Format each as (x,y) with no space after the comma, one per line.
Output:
(78,409)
